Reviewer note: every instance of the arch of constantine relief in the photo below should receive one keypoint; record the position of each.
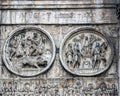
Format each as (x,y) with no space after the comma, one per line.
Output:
(29,51)
(59,47)
(86,52)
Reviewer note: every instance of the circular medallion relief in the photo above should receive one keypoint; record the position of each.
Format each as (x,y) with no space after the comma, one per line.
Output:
(86,52)
(29,51)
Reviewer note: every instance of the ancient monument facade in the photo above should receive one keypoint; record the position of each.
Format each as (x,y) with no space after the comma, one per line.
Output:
(59,47)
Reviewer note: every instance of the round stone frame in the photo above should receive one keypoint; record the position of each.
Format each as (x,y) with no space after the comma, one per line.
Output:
(17,31)
(77,30)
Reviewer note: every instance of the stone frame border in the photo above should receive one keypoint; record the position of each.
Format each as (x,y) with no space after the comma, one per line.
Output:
(14,33)
(96,32)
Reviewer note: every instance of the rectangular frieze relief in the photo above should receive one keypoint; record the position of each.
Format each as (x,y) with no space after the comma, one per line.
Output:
(59,87)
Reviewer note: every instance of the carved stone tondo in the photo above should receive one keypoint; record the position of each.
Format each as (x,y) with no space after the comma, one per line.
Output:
(86,52)
(29,51)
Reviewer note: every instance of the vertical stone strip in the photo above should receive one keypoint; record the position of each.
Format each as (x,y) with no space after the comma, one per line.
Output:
(118,17)
(0,44)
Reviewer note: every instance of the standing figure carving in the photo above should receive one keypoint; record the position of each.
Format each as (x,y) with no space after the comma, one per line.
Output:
(69,55)
(96,56)
(86,52)
(76,56)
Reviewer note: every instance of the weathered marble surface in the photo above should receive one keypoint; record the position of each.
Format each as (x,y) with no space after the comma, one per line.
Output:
(78,16)
(59,18)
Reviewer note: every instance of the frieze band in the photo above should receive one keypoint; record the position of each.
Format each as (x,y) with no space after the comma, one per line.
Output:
(58,87)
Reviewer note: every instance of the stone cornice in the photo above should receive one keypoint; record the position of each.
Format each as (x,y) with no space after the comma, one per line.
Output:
(53,4)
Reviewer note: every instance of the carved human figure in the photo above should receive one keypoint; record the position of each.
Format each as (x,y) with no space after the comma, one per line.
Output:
(40,41)
(27,87)
(28,45)
(36,90)
(90,89)
(81,39)
(87,45)
(10,87)
(69,55)
(103,47)
(85,48)
(92,39)
(15,87)
(5,88)
(114,91)
(77,88)
(96,56)
(32,51)
(76,56)
(102,90)
(12,47)
(19,49)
